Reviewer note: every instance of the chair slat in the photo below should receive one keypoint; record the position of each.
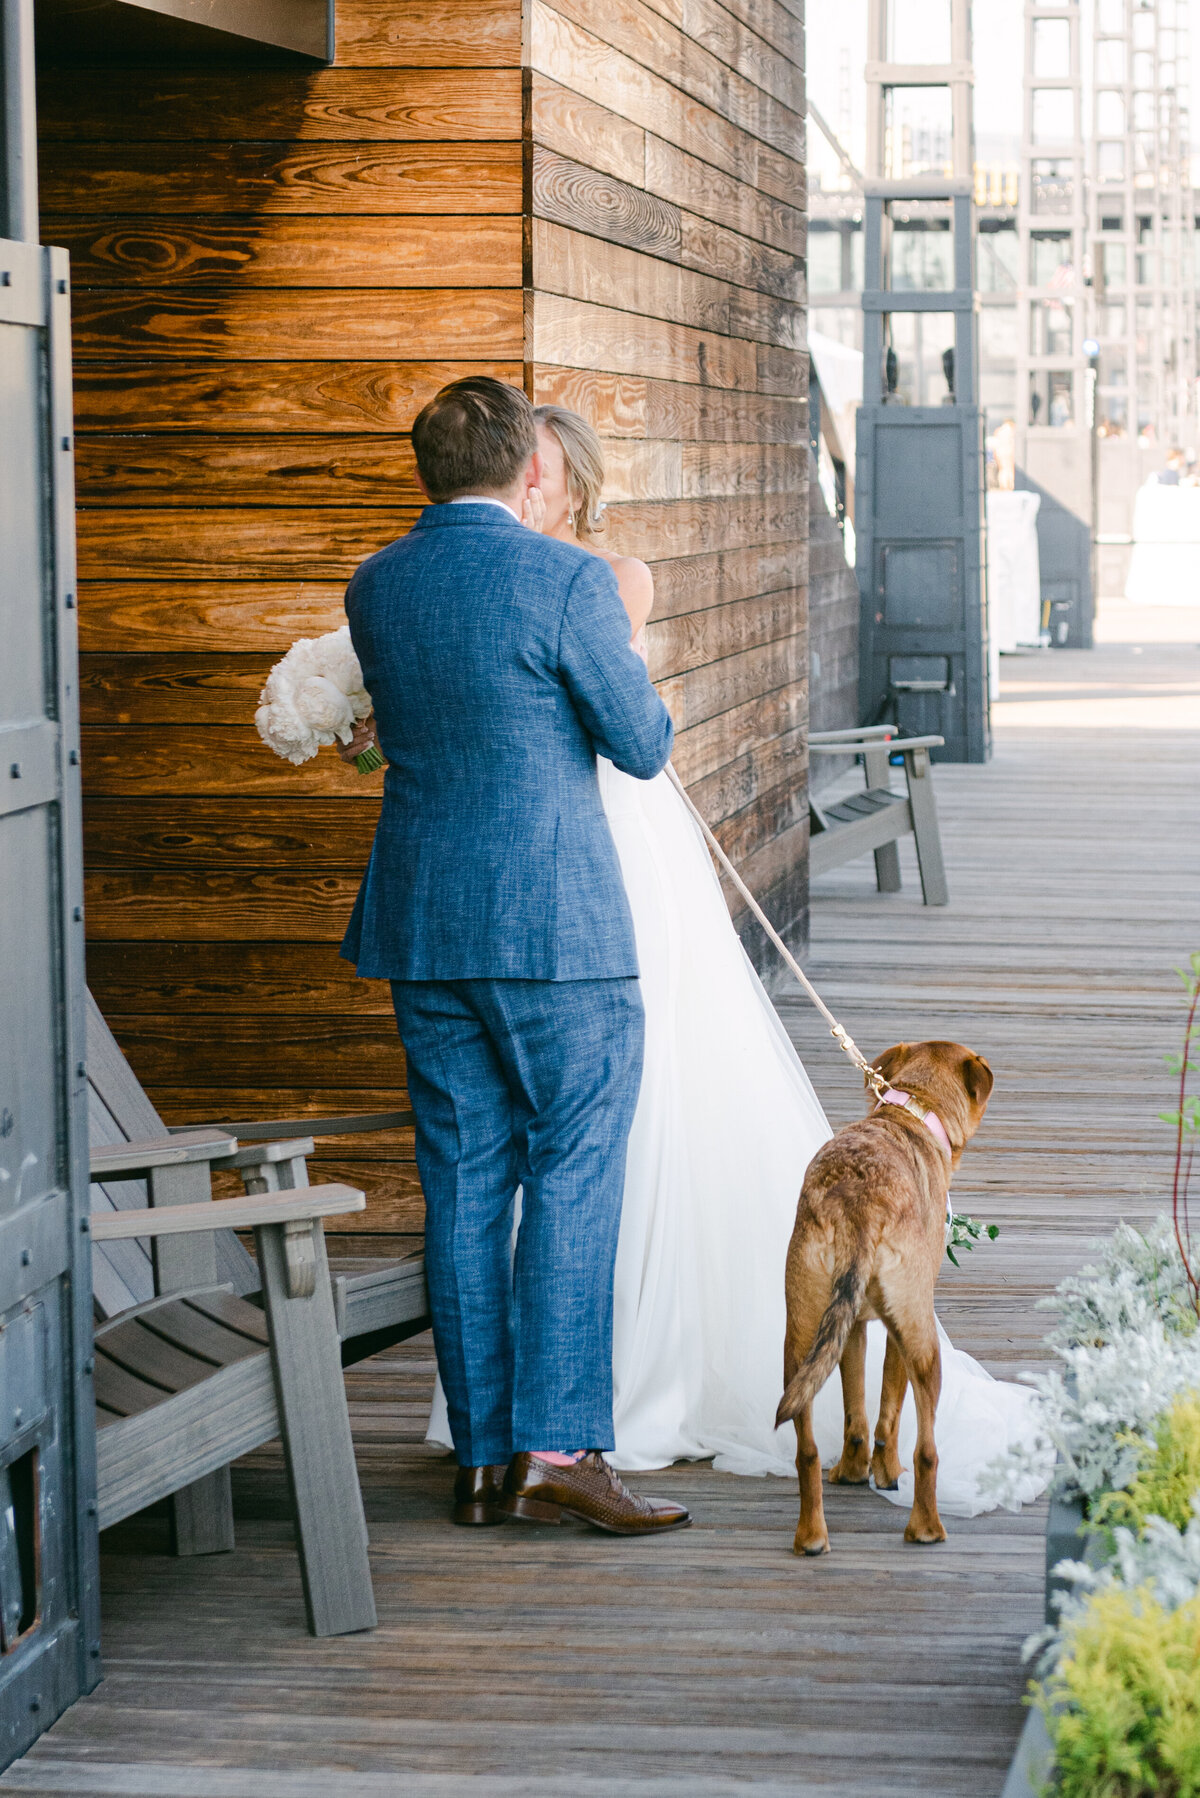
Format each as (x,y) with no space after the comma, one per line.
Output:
(137,1349)
(122,1392)
(191,1331)
(237,1314)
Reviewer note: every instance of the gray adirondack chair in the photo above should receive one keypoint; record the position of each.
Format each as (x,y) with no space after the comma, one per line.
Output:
(878,817)
(374,1307)
(189,1380)
(141,1165)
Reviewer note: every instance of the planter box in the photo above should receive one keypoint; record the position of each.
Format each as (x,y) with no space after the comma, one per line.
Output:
(1033,1761)
(1065,1541)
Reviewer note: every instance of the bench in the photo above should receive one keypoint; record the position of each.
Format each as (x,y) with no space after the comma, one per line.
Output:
(875,819)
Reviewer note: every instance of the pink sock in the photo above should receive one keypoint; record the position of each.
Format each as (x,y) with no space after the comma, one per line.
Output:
(555,1459)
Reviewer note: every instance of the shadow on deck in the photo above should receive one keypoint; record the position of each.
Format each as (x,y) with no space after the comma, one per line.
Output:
(531,1661)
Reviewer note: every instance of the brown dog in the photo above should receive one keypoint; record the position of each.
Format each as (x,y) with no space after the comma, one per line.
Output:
(868,1242)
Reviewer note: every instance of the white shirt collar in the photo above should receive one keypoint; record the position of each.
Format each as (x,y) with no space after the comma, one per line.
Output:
(482,499)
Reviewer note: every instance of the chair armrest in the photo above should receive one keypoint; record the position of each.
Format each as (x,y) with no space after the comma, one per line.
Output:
(298,1149)
(133,1160)
(859,733)
(334,1126)
(893,745)
(302,1204)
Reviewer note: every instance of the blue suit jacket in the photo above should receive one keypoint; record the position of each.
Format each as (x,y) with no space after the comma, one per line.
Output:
(499,664)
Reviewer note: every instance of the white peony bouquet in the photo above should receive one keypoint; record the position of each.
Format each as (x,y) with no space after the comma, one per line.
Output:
(314,695)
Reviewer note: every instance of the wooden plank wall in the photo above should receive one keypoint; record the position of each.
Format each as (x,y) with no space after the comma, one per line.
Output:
(832,633)
(274,268)
(666,269)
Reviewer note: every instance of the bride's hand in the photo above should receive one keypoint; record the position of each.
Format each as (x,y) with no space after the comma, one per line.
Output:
(364,736)
(533,512)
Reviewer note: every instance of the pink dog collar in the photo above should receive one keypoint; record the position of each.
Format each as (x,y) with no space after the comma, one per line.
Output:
(930,1119)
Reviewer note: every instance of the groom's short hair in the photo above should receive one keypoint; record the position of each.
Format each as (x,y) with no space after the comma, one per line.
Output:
(474,436)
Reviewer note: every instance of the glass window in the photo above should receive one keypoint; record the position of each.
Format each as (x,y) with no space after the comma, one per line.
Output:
(1110,318)
(1047,255)
(1110,62)
(1051,48)
(1143,34)
(1052,186)
(1144,159)
(1143,112)
(1110,162)
(921,256)
(997,334)
(919,358)
(1112,414)
(1053,115)
(824,260)
(918,31)
(1112,264)
(1113,368)
(1110,17)
(1112,221)
(1049,328)
(1050,398)
(997,260)
(1110,114)
(917,131)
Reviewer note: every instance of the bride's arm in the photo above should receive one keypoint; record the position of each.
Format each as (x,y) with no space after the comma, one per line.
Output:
(636,586)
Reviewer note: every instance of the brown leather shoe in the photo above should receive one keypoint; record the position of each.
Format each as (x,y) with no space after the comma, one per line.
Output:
(477,1492)
(589,1489)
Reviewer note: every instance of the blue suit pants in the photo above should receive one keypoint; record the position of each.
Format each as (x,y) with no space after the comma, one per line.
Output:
(530,1084)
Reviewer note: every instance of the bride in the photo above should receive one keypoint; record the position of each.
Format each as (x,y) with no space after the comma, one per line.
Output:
(726,1125)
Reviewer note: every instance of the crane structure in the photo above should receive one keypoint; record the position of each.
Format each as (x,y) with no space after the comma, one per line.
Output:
(919,470)
(1142,231)
(1054,388)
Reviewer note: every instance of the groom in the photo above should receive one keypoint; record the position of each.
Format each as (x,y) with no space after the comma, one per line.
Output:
(499,664)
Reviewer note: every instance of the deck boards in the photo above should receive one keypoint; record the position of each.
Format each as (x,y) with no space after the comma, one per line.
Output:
(515,1662)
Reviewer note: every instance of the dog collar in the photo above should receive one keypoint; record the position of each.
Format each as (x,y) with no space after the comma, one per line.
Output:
(930,1119)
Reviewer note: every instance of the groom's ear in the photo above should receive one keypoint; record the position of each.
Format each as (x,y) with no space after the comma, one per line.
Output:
(533,470)
(422,486)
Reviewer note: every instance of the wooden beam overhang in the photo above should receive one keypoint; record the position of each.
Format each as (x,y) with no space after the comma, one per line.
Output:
(303,26)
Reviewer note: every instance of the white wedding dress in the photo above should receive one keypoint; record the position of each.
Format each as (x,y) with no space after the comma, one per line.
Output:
(726,1125)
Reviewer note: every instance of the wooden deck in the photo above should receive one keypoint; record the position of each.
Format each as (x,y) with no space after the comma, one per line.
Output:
(519,1661)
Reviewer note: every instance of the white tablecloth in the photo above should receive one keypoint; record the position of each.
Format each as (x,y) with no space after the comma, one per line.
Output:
(1014,575)
(1164,569)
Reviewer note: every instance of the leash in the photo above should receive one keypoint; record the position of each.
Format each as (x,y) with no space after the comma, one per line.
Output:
(840,1034)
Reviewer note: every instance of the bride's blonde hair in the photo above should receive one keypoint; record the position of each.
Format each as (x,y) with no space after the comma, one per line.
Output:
(583,460)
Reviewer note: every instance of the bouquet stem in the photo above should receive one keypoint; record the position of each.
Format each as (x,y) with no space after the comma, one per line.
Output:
(369,760)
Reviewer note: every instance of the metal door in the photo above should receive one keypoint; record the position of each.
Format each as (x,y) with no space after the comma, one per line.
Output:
(49,1611)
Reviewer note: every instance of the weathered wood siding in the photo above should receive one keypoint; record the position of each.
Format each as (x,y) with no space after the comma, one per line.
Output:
(832,633)
(666,268)
(274,267)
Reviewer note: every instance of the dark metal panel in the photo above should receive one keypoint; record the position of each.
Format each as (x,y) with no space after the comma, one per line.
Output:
(922,639)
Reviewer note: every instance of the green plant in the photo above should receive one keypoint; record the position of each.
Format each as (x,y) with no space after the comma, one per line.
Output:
(965,1232)
(1122,1706)
(1168,1481)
